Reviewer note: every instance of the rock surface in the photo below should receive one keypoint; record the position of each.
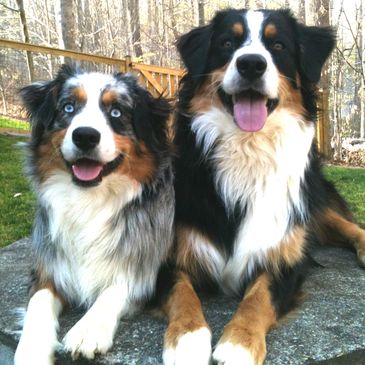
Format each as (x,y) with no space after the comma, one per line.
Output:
(328,329)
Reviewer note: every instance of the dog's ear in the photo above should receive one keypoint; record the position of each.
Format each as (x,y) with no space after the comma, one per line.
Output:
(194,48)
(150,119)
(40,98)
(316,44)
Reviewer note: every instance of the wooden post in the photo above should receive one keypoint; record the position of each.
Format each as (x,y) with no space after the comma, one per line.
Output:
(128,64)
(323,123)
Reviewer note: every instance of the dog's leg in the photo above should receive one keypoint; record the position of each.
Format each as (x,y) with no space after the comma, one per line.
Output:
(353,235)
(243,340)
(188,337)
(94,332)
(39,336)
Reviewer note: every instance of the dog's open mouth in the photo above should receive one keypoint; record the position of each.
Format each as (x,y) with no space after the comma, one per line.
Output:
(250,110)
(88,172)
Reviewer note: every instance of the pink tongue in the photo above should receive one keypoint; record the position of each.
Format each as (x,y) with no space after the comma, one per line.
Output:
(250,112)
(87,170)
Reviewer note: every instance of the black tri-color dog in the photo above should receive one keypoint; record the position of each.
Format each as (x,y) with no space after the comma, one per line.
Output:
(100,162)
(250,195)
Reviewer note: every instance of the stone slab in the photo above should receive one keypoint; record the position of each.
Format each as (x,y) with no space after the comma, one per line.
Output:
(328,329)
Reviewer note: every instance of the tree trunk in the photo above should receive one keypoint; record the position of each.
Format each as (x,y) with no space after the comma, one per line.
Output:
(173,19)
(133,6)
(301,11)
(319,15)
(127,28)
(24,24)
(58,22)
(201,17)
(260,4)
(361,54)
(69,23)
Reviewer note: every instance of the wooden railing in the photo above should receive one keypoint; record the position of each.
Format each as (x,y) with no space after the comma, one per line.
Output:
(161,80)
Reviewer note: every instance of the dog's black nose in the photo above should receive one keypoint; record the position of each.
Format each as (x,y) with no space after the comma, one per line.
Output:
(85,138)
(251,66)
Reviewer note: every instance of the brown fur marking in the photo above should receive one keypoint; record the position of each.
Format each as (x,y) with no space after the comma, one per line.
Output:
(252,320)
(238,29)
(270,31)
(355,236)
(184,311)
(139,163)
(49,156)
(42,281)
(289,252)
(289,97)
(79,94)
(207,95)
(186,257)
(109,97)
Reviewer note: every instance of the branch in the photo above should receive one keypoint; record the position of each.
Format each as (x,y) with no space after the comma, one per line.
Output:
(9,8)
(345,59)
(354,37)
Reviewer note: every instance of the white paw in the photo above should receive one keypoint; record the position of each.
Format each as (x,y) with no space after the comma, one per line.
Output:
(88,338)
(228,354)
(31,351)
(193,348)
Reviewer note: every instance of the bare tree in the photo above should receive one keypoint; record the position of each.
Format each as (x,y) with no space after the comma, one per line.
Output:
(301,11)
(24,24)
(201,17)
(318,13)
(69,21)
(361,56)
(133,6)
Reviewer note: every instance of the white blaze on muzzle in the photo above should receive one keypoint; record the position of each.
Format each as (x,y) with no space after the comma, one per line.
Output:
(250,91)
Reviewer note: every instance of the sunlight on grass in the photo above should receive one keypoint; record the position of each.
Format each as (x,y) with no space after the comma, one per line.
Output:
(350,182)
(20,125)
(16,201)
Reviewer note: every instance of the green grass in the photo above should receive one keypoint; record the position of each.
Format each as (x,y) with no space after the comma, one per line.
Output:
(350,182)
(20,125)
(17,211)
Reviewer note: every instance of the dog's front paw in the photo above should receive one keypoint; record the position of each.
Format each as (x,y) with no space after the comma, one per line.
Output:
(88,338)
(193,348)
(227,353)
(31,351)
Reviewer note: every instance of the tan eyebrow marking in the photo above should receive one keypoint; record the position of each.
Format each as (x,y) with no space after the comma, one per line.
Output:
(79,94)
(237,29)
(270,30)
(109,97)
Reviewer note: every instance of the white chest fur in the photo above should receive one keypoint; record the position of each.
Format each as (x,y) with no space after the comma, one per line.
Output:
(81,225)
(262,172)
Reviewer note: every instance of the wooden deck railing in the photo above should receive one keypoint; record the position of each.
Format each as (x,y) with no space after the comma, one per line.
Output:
(160,80)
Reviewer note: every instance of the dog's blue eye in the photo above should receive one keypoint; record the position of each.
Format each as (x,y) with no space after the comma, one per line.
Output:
(115,113)
(68,108)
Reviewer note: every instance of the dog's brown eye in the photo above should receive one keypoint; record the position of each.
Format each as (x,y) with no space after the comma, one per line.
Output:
(227,44)
(278,46)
